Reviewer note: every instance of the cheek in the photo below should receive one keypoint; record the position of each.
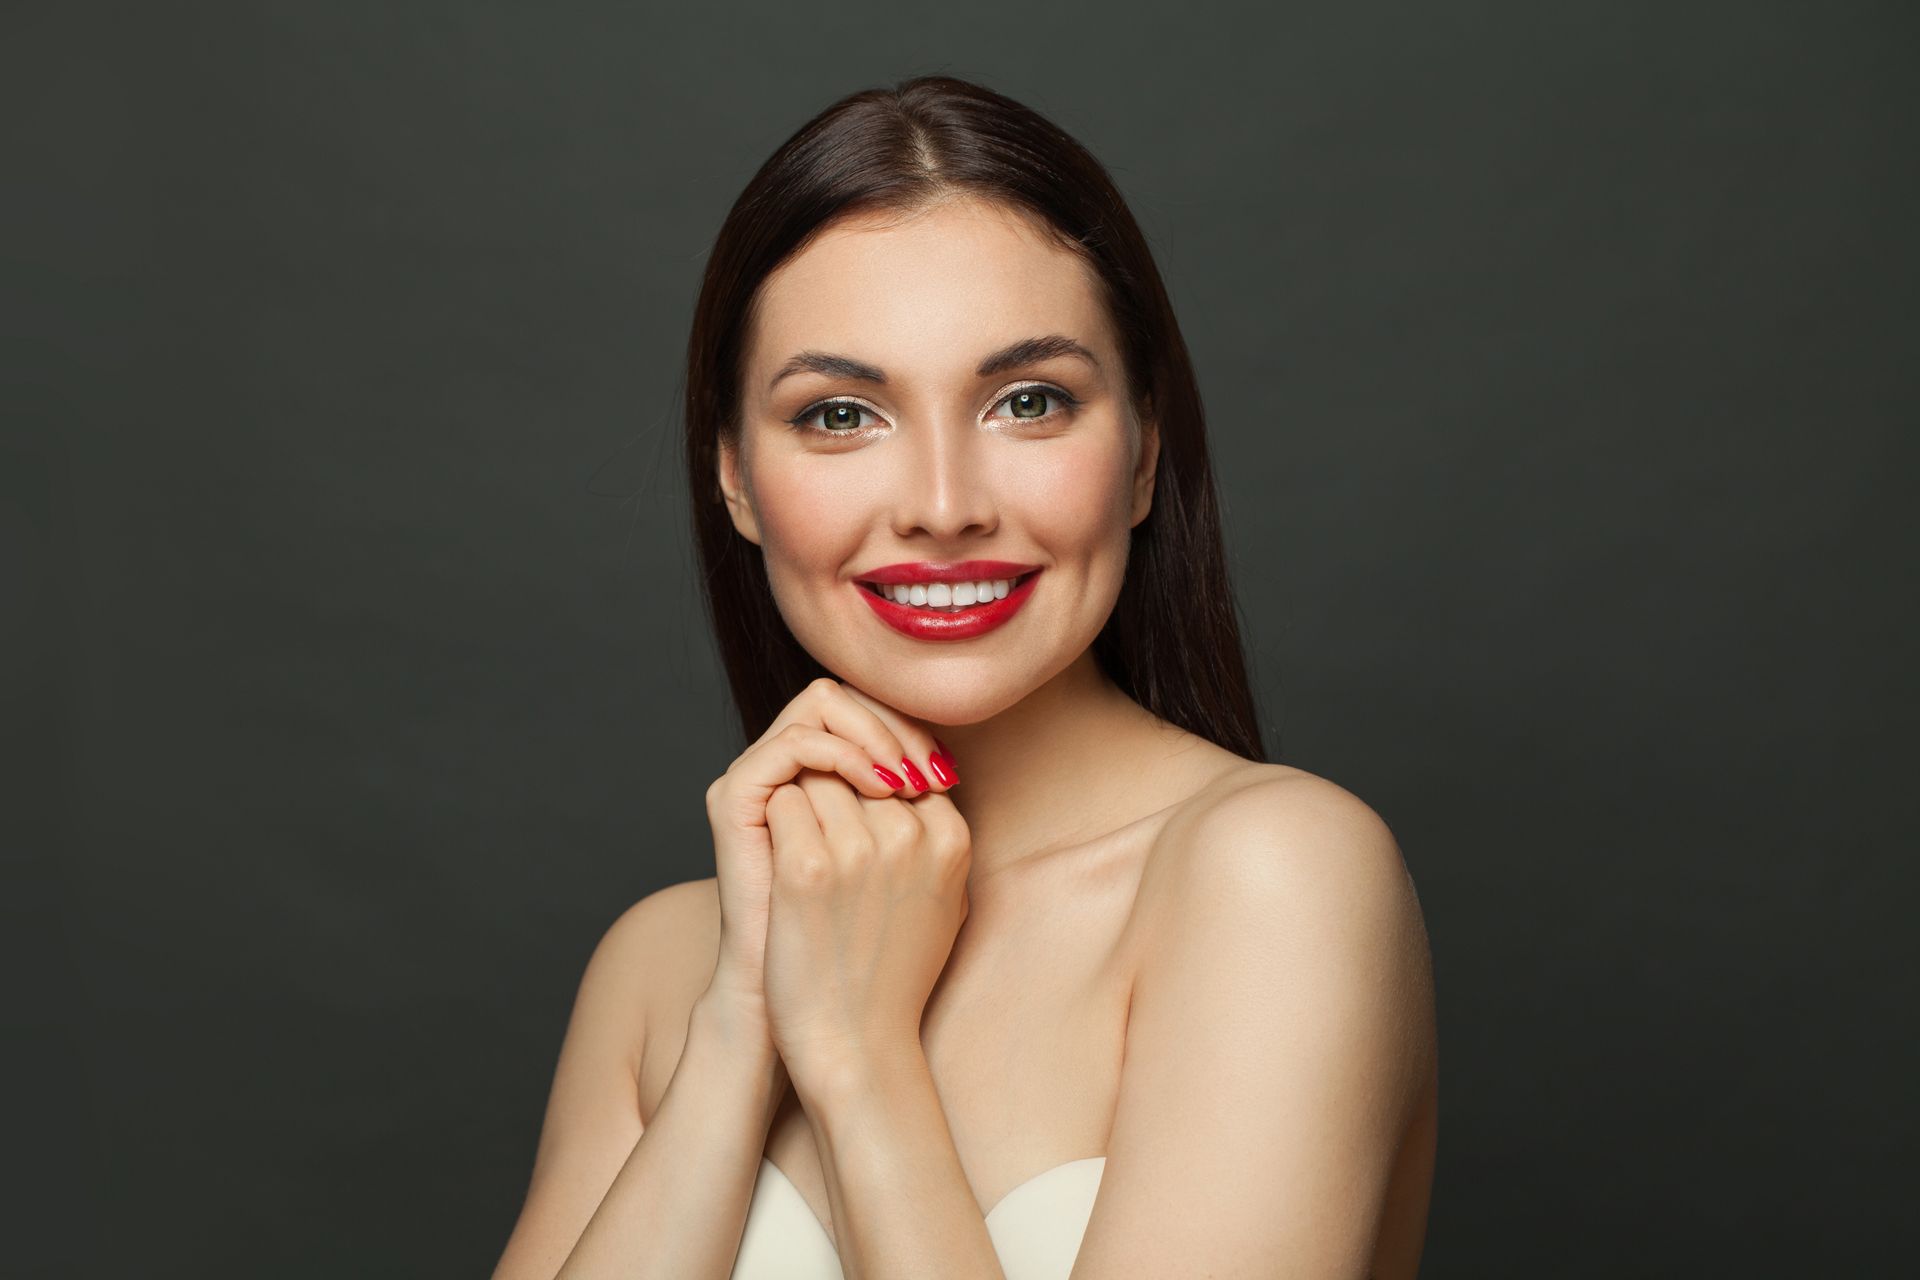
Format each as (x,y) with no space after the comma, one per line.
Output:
(805,512)
(1076,498)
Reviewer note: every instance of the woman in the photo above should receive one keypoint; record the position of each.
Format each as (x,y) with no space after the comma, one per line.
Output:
(1080,984)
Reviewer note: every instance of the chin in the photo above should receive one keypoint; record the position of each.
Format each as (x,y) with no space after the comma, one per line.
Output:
(960,697)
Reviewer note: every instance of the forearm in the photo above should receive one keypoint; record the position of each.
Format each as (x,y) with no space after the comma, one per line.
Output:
(678,1206)
(900,1200)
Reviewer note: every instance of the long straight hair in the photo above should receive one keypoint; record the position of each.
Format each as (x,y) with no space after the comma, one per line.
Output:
(1172,641)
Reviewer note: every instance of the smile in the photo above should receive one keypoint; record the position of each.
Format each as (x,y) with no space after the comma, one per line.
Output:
(948,610)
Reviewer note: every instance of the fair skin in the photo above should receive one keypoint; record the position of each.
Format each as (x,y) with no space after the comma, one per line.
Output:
(1210,971)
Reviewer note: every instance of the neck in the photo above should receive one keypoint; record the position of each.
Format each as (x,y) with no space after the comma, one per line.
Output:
(1051,767)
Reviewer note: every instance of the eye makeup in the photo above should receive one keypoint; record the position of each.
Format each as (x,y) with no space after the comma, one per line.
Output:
(803,421)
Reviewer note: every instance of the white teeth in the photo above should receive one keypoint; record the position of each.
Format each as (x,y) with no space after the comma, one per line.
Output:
(948,595)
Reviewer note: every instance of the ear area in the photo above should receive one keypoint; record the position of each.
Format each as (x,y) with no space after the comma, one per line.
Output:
(1149,464)
(732,489)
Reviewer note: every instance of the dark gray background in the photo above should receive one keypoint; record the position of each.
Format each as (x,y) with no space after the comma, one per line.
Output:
(1560,364)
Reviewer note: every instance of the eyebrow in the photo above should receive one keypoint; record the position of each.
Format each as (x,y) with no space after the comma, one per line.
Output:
(1025,351)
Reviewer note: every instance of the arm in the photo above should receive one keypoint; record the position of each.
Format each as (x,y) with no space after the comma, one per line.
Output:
(679,1204)
(1279,1041)
(611,1198)
(899,1196)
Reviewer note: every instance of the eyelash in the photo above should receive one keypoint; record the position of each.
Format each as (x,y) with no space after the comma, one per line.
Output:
(803,421)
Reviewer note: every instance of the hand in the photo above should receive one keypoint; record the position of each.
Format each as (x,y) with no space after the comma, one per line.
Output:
(826,728)
(868,894)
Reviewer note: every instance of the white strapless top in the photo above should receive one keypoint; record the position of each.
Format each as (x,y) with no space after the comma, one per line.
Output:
(1036,1228)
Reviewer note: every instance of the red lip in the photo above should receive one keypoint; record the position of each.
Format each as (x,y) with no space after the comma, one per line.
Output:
(945,571)
(926,624)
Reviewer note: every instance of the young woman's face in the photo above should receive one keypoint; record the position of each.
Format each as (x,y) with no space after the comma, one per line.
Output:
(926,456)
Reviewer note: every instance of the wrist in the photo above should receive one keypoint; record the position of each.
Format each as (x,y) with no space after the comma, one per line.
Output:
(832,1080)
(736,1021)
(733,1043)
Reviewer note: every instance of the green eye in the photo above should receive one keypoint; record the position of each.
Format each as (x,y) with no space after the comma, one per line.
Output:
(1030,404)
(1023,401)
(841,417)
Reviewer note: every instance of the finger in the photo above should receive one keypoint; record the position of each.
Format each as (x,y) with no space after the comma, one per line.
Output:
(895,822)
(934,762)
(861,824)
(842,823)
(799,746)
(792,828)
(945,831)
(826,704)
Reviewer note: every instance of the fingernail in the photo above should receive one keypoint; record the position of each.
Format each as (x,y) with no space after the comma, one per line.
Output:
(889,777)
(917,778)
(944,764)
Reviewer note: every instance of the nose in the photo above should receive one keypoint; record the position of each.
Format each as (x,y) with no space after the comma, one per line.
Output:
(947,491)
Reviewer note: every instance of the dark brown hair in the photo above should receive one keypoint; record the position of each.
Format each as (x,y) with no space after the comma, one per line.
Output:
(1172,641)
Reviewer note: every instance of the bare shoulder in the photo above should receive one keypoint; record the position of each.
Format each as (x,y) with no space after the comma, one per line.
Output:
(1275,820)
(1296,880)
(1281,990)
(660,944)
(1318,863)
(671,918)
(595,1113)
(637,969)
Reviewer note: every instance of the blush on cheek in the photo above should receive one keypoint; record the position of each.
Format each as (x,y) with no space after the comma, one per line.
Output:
(803,517)
(812,525)
(1078,502)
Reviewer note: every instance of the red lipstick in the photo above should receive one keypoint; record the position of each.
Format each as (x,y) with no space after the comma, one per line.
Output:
(922,623)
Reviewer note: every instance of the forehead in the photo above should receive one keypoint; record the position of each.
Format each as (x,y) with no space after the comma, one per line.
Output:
(930,291)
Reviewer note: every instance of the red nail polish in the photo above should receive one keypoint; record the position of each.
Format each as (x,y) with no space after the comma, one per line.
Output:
(944,761)
(917,778)
(889,777)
